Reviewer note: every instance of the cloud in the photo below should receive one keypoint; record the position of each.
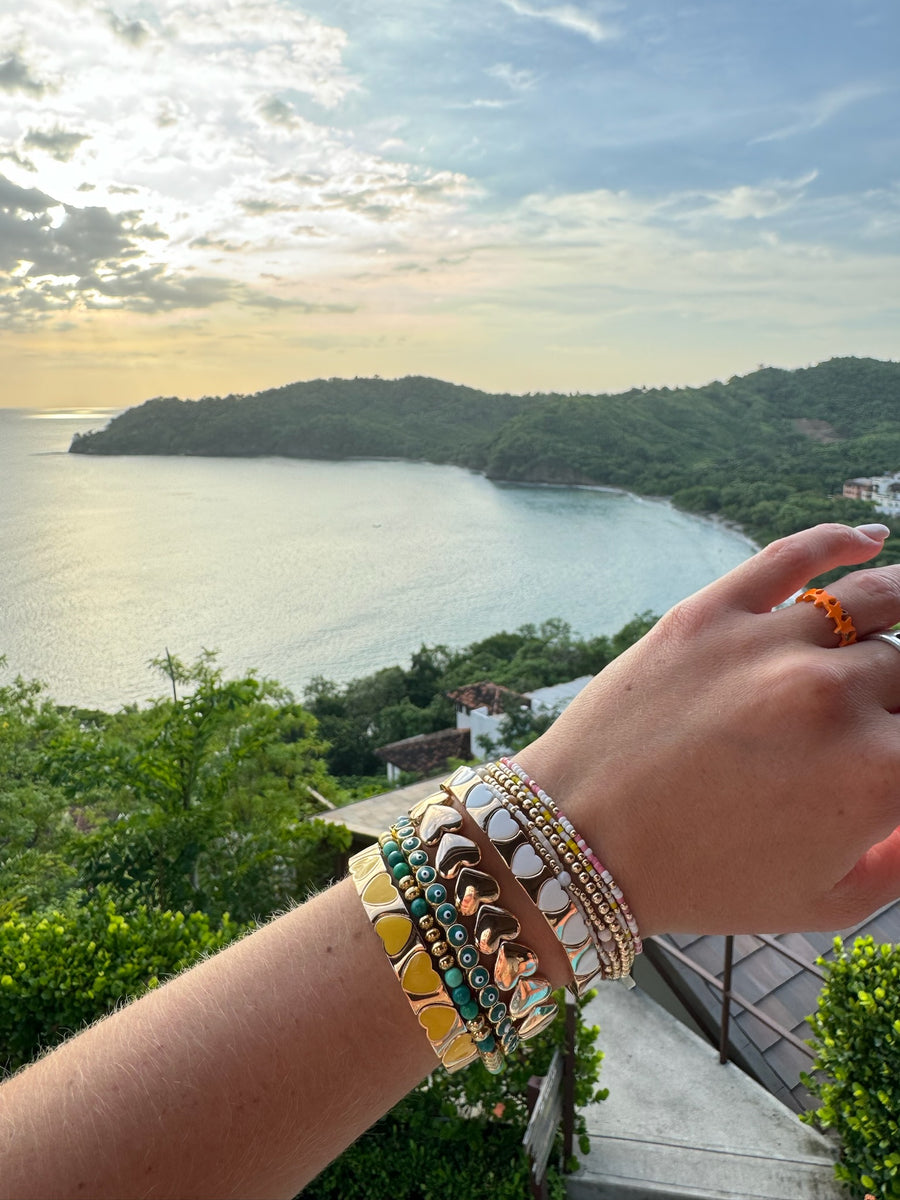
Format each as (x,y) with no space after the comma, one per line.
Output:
(516,79)
(822,110)
(262,208)
(59,143)
(135,33)
(565,16)
(743,202)
(277,112)
(16,76)
(13,156)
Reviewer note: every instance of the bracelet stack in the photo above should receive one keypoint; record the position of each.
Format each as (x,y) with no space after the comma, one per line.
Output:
(473,985)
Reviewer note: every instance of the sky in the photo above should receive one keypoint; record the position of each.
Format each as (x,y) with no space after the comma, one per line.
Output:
(201,197)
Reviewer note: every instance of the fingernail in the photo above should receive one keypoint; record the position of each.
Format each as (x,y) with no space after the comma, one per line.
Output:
(876,532)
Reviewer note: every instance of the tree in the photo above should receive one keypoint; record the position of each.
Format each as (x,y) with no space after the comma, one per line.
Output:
(203,802)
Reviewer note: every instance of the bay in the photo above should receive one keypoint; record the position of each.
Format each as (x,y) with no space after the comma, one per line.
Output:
(298,568)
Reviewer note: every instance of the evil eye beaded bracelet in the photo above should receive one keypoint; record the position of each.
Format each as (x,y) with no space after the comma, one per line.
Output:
(421,984)
(530,1005)
(447,939)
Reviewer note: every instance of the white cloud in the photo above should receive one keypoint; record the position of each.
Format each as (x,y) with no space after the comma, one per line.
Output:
(823,109)
(565,16)
(516,79)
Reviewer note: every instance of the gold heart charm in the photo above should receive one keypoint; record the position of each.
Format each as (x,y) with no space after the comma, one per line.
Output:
(418,978)
(459,1053)
(419,808)
(361,864)
(395,931)
(474,888)
(514,962)
(528,994)
(436,820)
(380,890)
(492,925)
(538,1019)
(454,852)
(438,1020)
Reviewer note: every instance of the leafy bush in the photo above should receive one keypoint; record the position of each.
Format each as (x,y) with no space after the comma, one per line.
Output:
(857,1042)
(60,970)
(425,1150)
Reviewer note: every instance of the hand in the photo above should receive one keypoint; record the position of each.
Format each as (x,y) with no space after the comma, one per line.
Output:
(737,770)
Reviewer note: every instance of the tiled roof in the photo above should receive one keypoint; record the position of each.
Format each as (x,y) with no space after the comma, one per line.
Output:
(427,753)
(776,985)
(494,697)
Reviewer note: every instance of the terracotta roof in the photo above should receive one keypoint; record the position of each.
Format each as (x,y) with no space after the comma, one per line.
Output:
(427,753)
(494,697)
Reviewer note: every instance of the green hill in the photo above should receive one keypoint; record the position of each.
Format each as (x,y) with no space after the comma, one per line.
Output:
(769,450)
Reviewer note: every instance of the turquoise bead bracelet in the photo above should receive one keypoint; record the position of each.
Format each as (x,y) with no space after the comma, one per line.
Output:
(455,939)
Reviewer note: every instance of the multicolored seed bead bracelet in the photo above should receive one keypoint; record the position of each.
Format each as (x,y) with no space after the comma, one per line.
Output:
(423,987)
(597,923)
(530,1004)
(490,808)
(445,936)
(567,831)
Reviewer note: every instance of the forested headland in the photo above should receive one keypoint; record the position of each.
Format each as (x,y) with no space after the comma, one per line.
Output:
(769,450)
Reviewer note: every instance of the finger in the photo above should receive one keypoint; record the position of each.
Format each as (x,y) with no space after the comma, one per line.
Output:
(785,566)
(872,883)
(871,599)
(876,673)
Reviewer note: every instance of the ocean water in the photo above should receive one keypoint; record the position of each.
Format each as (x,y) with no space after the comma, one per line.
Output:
(299,568)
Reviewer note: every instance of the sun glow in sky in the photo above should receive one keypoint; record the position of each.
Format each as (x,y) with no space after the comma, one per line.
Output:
(205,196)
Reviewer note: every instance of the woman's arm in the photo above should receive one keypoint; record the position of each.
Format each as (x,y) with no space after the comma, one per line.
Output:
(735,770)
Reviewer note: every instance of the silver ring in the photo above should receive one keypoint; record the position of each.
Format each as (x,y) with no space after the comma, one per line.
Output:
(892,639)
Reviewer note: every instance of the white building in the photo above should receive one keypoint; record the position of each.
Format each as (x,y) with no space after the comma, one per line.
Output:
(882,490)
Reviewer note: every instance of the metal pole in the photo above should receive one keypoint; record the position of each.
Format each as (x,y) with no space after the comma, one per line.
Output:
(726,999)
(569,1084)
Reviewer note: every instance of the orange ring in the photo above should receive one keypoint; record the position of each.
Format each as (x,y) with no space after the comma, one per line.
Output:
(832,607)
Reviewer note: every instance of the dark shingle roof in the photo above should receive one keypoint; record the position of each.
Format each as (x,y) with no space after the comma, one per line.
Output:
(427,753)
(773,983)
(494,697)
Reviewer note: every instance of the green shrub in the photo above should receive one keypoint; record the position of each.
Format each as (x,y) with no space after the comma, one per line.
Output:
(60,970)
(857,1042)
(427,1148)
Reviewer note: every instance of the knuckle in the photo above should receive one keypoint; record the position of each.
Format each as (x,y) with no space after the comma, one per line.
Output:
(690,617)
(814,681)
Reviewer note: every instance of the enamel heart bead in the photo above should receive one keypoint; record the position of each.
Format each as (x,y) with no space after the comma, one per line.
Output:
(571,929)
(502,828)
(526,863)
(480,803)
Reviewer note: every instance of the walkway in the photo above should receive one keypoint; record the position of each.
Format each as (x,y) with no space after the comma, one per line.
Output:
(679,1124)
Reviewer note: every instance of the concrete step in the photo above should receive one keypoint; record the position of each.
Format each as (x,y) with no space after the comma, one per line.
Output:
(679,1124)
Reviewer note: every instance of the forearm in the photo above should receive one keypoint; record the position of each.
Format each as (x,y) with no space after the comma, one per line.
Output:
(243,1077)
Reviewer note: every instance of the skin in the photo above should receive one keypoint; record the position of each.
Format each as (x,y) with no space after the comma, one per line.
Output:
(737,771)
